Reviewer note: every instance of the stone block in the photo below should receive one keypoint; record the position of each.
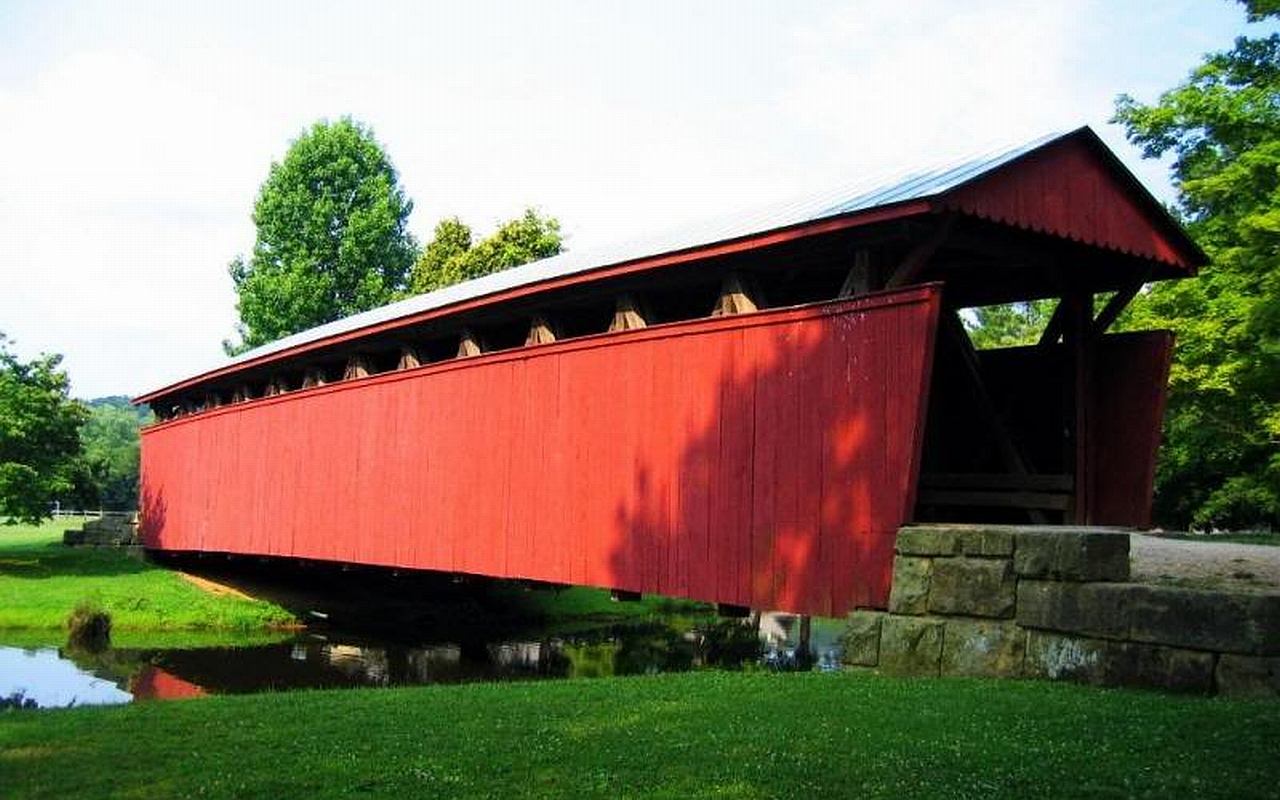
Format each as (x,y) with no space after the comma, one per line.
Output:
(1072,554)
(1089,609)
(979,647)
(927,541)
(977,587)
(1248,677)
(1060,657)
(909,593)
(1109,663)
(1228,622)
(910,645)
(861,638)
(995,541)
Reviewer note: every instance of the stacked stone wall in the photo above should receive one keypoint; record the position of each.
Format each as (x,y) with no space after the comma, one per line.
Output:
(1057,603)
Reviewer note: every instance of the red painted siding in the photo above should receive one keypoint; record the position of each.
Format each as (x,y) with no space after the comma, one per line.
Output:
(1065,189)
(763,460)
(1130,373)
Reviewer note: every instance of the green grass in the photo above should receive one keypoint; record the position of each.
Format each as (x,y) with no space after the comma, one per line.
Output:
(707,734)
(41,581)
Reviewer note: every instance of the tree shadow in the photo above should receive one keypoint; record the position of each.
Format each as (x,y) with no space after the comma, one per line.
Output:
(778,458)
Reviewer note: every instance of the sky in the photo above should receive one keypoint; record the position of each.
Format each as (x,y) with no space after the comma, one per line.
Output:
(134,136)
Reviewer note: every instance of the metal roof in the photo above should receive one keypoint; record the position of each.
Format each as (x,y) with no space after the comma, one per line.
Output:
(848,199)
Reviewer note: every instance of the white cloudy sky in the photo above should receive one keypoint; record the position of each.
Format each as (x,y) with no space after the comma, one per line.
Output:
(134,136)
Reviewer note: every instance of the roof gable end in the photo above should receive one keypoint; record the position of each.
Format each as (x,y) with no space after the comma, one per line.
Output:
(1074,187)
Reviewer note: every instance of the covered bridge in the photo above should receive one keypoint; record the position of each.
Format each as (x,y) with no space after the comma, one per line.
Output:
(742,414)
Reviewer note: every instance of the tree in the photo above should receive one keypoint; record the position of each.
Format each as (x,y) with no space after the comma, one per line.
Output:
(39,435)
(332,237)
(1220,464)
(449,258)
(110,438)
(1009,324)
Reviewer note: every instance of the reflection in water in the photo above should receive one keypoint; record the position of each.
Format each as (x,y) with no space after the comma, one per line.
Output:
(45,678)
(64,677)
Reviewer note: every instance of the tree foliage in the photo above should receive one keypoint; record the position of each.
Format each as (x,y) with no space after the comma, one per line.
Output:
(332,237)
(1220,465)
(110,438)
(450,258)
(39,435)
(1009,324)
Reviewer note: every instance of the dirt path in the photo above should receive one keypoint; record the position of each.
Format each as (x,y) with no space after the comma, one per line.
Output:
(1209,565)
(214,587)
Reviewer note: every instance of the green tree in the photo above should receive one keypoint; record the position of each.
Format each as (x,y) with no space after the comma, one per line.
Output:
(332,237)
(1009,324)
(110,437)
(450,258)
(1220,464)
(39,435)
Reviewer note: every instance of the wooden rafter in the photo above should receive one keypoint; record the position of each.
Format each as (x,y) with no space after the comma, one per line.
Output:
(910,268)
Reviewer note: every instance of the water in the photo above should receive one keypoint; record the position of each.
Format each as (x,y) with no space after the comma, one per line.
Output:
(58,677)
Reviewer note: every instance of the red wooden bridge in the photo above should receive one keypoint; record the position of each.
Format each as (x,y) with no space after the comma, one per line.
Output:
(744,414)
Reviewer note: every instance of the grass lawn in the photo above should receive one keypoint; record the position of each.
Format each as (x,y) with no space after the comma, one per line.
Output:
(41,581)
(704,734)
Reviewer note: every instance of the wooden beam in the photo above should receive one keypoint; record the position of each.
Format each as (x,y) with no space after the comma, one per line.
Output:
(910,268)
(357,367)
(314,376)
(469,344)
(998,481)
(1076,337)
(1031,501)
(243,392)
(540,331)
(734,298)
(277,385)
(1053,328)
(409,358)
(627,315)
(859,279)
(1111,311)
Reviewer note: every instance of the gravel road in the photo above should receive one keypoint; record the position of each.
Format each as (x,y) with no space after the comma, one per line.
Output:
(1206,564)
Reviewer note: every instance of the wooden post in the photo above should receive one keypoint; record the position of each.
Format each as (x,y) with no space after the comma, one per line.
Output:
(276,386)
(409,358)
(212,400)
(859,279)
(469,344)
(357,367)
(314,376)
(1076,337)
(734,298)
(627,315)
(540,331)
(242,393)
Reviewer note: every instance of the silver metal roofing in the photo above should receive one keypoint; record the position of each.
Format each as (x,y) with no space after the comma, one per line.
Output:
(861,196)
